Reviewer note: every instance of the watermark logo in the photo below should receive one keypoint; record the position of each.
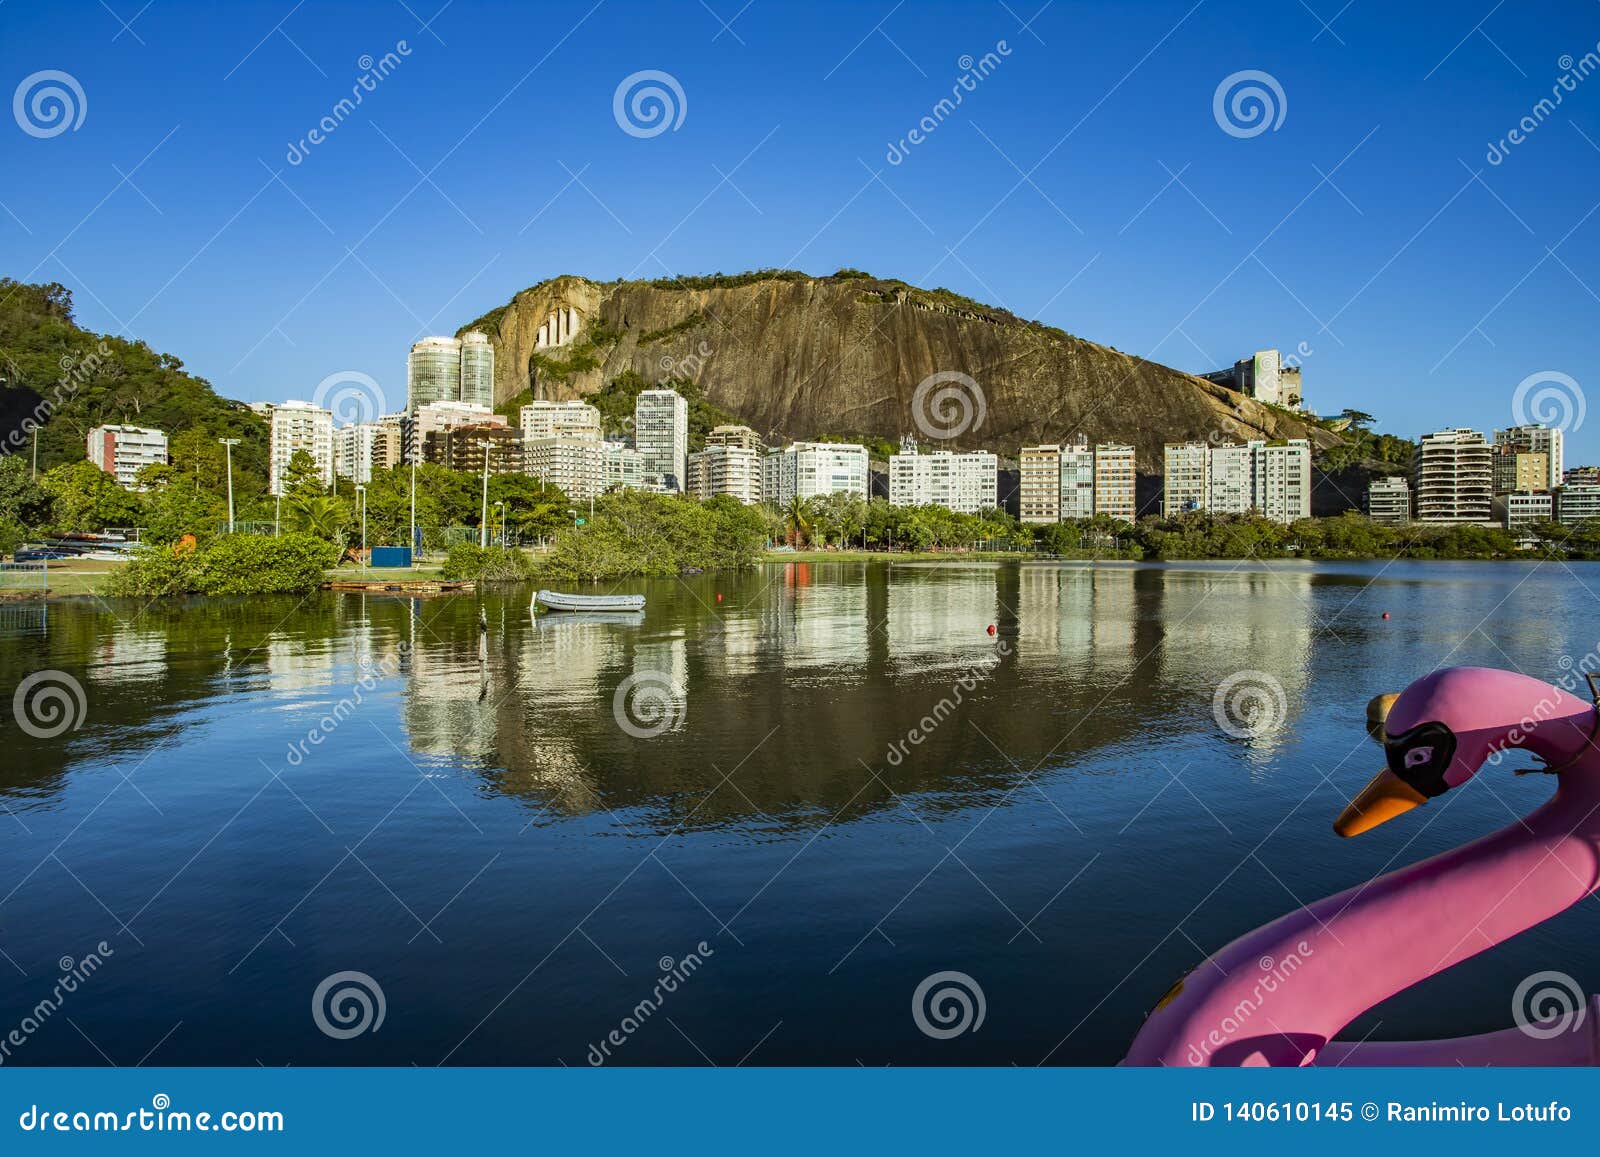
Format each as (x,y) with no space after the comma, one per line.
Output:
(48,103)
(1549,398)
(674,974)
(74,974)
(1548,1004)
(1573,73)
(947,404)
(947,1004)
(49,703)
(373,73)
(973,73)
(1249,704)
(348,1004)
(1248,103)
(649,102)
(353,397)
(648,704)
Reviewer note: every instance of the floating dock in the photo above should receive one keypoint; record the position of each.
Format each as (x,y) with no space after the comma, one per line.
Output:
(409,588)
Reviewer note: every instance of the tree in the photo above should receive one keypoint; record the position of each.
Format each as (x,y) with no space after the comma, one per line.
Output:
(797,521)
(320,515)
(89,499)
(302,478)
(23,500)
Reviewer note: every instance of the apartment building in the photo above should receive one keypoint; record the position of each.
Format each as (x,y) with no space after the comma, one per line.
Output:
(811,469)
(574,419)
(1520,470)
(1231,479)
(623,465)
(725,468)
(1077,479)
(1536,439)
(299,426)
(966,483)
(1453,478)
(735,436)
(1389,500)
(462,447)
(1577,504)
(1039,484)
(123,451)
(1185,478)
(576,465)
(1523,508)
(1114,481)
(1282,479)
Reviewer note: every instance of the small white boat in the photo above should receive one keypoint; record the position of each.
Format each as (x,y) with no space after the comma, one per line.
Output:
(556,601)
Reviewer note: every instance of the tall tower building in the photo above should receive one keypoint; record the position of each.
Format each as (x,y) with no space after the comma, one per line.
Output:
(433,372)
(661,432)
(477,369)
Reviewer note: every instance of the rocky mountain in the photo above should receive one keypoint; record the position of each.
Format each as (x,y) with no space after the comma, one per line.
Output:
(797,356)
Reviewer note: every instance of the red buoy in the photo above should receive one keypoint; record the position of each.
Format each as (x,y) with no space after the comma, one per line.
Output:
(1386,614)
(719,596)
(991,628)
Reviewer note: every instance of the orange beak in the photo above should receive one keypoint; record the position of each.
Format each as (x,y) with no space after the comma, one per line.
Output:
(1379,802)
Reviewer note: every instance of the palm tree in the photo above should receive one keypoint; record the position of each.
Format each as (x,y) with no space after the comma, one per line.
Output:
(317,514)
(797,521)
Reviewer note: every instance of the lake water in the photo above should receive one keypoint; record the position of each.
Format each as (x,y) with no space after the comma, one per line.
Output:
(263,794)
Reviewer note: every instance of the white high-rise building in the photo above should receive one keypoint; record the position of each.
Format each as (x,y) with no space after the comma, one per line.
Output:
(1185,478)
(1231,483)
(354,447)
(1577,504)
(573,419)
(1453,471)
(725,469)
(661,433)
(577,465)
(300,426)
(1114,481)
(1282,479)
(122,451)
(477,369)
(809,469)
(966,483)
(1544,440)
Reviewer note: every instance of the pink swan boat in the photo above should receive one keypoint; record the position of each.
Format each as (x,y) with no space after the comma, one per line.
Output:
(1279,995)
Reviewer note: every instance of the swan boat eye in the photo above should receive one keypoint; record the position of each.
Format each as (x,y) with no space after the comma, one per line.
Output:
(1419,756)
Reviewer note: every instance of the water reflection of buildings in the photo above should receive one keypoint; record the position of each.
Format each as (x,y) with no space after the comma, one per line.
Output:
(127,654)
(1218,623)
(1081,619)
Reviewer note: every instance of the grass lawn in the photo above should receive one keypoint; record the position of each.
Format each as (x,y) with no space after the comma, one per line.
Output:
(67,577)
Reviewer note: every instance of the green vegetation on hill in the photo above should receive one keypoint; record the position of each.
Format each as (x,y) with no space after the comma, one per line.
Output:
(64,380)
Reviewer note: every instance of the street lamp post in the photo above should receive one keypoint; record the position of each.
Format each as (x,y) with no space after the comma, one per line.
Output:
(228,445)
(36,453)
(413,508)
(361,495)
(483,516)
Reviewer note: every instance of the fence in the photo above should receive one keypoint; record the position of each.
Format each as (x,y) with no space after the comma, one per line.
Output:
(25,576)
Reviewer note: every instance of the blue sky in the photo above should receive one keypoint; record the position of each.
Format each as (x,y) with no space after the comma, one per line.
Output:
(1085,181)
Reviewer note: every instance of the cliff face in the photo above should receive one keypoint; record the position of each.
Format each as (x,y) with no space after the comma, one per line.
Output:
(796,356)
